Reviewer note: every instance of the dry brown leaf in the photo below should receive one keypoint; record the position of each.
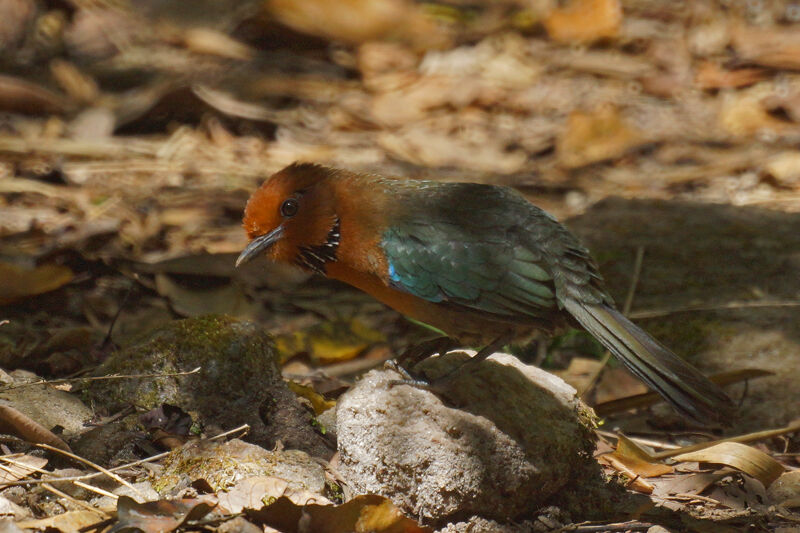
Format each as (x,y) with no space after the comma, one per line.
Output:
(711,76)
(69,522)
(159,516)
(18,467)
(770,46)
(362,514)
(584,21)
(318,401)
(741,457)
(21,96)
(252,493)
(358,21)
(784,167)
(744,114)
(213,42)
(16,423)
(329,342)
(637,460)
(17,283)
(601,134)
(227,299)
(636,482)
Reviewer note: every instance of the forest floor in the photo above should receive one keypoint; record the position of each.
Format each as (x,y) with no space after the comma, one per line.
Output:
(132,133)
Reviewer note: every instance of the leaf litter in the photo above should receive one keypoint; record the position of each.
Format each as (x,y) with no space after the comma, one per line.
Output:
(133,133)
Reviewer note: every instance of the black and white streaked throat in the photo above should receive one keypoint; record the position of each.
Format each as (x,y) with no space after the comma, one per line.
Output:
(316,257)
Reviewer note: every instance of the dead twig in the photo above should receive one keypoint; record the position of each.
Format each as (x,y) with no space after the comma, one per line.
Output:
(243,429)
(101,378)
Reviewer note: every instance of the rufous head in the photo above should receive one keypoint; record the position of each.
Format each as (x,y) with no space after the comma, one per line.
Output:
(292,218)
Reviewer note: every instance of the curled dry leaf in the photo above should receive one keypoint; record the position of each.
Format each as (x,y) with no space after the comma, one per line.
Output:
(601,134)
(160,516)
(17,283)
(768,46)
(318,401)
(21,96)
(16,423)
(741,457)
(711,76)
(257,491)
(637,460)
(69,522)
(213,42)
(358,21)
(18,467)
(584,21)
(329,342)
(368,513)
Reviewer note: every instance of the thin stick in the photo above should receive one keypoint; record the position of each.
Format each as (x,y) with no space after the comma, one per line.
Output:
(655,313)
(80,503)
(84,477)
(100,378)
(747,437)
(626,309)
(96,490)
(78,458)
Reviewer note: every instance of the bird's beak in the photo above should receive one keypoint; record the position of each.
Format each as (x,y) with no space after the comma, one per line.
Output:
(258,245)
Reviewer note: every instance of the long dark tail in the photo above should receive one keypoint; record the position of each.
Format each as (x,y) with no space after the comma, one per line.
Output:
(682,385)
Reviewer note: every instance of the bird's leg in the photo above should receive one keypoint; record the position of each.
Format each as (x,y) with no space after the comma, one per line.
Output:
(417,353)
(478,358)
(414,355)
(435,385)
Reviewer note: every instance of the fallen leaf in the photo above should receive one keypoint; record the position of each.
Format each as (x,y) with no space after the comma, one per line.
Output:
(252,493)
(741,457)
(318,401)
(257,491)
(17,423)
(328,342)
(69,522)
(363,514)
(358,21)
(160,516)
(19,467)
(597,135)
(632,456)
(769,46)
(784,167)
(745,114)
(584,21)
(213,42)
(228,299)
(17,283)
(21,96)
(711,76)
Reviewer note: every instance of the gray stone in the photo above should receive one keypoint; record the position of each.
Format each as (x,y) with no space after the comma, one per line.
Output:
(238,382)
(501,439)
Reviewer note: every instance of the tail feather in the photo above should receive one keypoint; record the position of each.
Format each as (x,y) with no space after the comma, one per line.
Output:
(683,386)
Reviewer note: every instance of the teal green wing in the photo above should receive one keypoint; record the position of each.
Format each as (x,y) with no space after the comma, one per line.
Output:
(478,268)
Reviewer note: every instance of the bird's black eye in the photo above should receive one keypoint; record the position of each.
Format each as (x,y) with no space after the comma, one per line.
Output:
(289,207)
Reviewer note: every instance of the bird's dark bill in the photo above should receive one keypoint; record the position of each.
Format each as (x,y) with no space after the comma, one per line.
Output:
(259,245)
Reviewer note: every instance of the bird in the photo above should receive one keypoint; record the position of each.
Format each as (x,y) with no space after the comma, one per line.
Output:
(477,261)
